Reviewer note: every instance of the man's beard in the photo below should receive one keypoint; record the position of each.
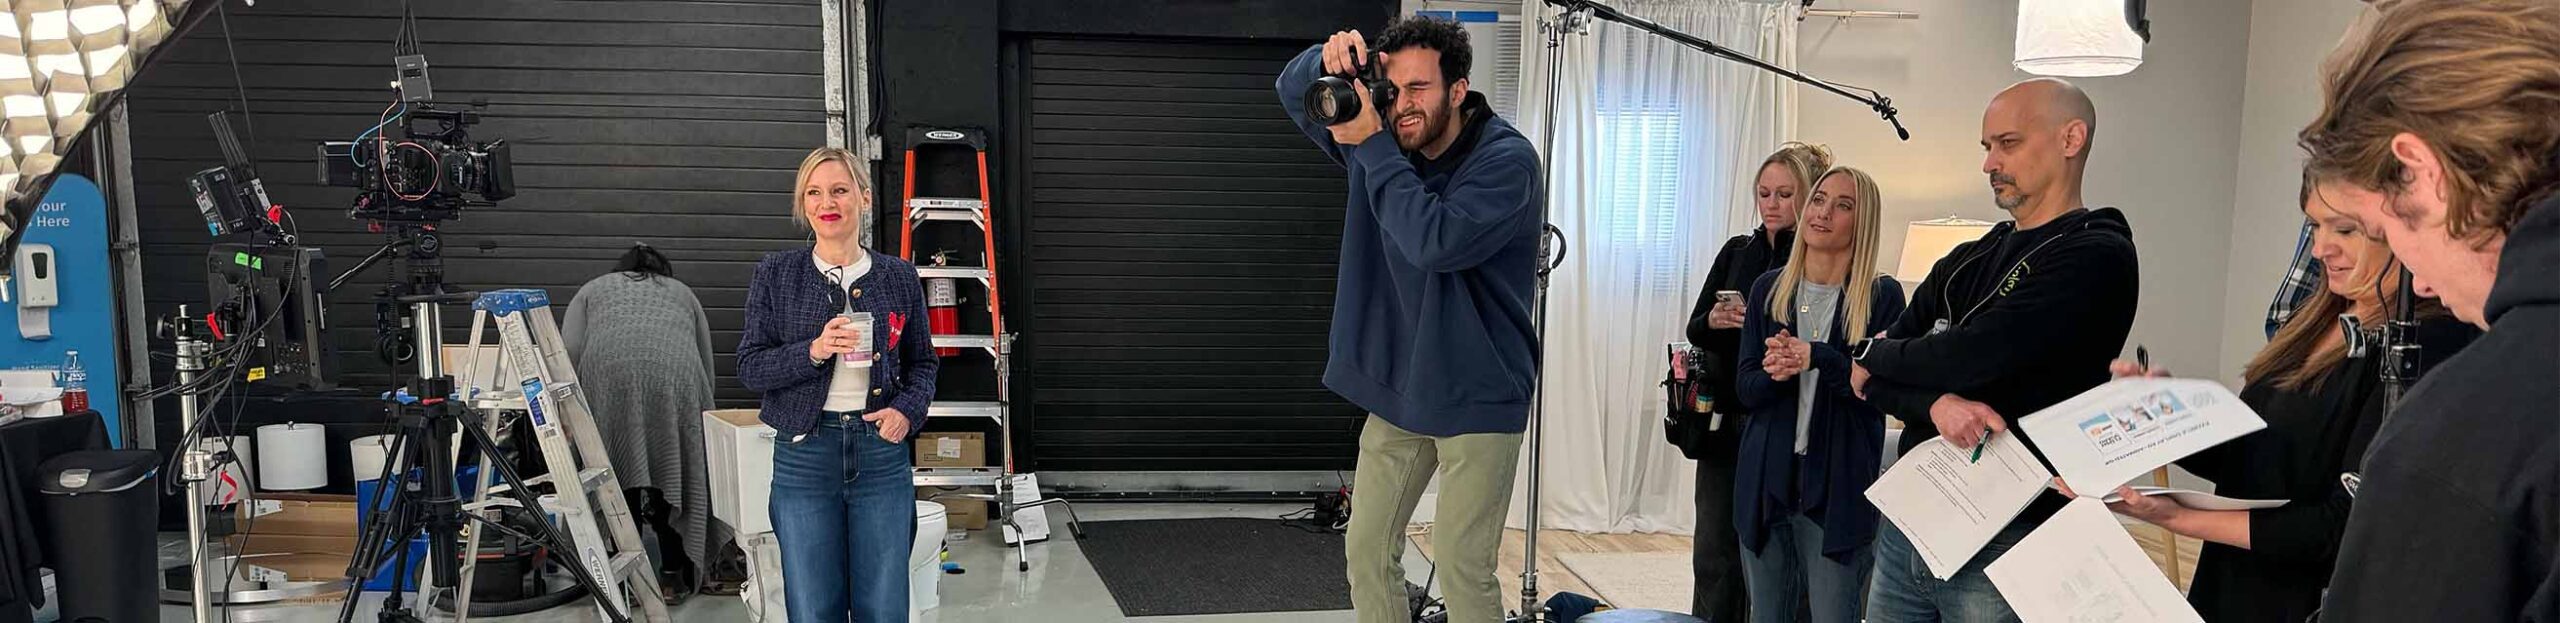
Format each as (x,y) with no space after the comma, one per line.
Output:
(1434,124)
(2011,202)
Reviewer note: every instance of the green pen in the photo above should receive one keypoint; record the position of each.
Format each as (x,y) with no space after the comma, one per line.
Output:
(1978,443)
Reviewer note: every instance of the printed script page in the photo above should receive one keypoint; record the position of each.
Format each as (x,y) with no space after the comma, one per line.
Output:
(2081,567)
(1950,505)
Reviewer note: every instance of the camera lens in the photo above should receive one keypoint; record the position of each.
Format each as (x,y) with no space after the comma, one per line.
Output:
(1331,100)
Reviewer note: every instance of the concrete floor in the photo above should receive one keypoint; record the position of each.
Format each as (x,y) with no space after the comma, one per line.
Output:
(1061,587)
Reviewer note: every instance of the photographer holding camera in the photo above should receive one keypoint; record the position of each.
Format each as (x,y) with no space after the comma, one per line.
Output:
(1431,325)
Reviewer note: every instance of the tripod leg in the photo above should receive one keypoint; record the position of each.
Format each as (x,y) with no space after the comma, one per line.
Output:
(1021,546)
(387,519)
(549,536)
(1073,524)
(471,530)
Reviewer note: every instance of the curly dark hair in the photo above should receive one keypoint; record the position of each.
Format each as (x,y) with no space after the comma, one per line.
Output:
(1432,33)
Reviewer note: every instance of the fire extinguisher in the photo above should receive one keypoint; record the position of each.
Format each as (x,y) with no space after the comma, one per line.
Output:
(942,302)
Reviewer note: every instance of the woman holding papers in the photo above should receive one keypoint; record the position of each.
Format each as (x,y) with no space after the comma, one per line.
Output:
(1810,447)
(2318,387)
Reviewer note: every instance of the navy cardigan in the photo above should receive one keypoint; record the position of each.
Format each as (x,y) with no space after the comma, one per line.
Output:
(1847,436)
(789,304)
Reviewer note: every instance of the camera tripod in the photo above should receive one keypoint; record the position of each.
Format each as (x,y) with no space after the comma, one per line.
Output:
(424,500)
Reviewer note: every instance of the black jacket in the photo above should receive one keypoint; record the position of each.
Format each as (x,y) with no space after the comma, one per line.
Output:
(1737,267)
(2458,516)
(2031,319)
(2312,435)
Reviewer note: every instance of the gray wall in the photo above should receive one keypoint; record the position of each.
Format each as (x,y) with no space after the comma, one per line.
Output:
(2287,39)
(2166,146)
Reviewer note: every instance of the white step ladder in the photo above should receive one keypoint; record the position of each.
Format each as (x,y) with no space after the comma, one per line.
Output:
(534,375)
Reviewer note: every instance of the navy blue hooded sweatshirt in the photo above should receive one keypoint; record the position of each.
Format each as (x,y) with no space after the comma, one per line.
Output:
(1431,326)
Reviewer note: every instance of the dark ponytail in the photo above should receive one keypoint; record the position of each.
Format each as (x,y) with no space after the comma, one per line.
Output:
(642,261)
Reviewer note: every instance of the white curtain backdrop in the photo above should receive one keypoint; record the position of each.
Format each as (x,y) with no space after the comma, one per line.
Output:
(1649,175)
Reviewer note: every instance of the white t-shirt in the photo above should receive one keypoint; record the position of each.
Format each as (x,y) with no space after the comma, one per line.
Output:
(847,391)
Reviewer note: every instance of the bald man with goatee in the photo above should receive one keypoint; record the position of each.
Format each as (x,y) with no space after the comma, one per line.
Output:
(2021,319)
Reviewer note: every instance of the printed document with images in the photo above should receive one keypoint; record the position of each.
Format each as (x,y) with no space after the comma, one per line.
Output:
(1950,505)
(2117,432)
(2081,567)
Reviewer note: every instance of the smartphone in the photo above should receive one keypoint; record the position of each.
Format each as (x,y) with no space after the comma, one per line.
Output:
(1728,297)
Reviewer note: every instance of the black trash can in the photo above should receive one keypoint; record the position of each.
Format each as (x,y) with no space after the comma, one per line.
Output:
(104,543)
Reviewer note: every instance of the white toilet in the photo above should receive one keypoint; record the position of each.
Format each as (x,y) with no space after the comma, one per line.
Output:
(924,562)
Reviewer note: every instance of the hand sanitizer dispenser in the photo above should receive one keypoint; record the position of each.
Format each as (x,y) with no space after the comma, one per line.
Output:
(39,290)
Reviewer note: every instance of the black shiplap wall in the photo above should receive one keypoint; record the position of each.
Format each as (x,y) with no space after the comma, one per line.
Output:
(1182,247)
(675,123)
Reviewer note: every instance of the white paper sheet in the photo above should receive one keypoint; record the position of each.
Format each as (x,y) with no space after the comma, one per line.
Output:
(1033,519)
(2110,435)
(1949,505)
(2200,500)
(2081,567)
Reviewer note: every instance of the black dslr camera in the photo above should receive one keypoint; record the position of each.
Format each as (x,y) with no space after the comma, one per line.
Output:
(1331,100)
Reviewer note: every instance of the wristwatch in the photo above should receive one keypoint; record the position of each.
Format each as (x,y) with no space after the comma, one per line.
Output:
(817,363)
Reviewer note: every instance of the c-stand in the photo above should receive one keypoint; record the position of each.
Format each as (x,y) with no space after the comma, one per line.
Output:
(419,477)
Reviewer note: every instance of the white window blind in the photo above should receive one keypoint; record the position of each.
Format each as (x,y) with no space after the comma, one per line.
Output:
(1641,160)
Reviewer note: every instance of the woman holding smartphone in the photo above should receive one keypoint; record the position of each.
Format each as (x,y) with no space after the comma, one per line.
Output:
(836,340)
(1778,190)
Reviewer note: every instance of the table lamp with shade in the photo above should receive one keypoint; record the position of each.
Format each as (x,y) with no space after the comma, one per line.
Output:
(1926,241)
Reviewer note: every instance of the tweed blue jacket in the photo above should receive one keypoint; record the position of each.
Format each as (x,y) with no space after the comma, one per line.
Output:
(789,303)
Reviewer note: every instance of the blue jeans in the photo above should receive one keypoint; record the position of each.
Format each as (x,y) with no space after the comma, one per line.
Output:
(1905,592)
(844,512)
(1790,569)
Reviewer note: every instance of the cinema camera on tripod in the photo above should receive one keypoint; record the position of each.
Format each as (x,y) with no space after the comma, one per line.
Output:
(1332,100)
(430,174)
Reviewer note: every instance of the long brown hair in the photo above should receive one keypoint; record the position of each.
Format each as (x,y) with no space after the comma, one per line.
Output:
(2477,80)
(2294,360)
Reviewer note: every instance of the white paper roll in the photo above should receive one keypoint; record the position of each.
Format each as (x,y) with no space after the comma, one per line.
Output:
(229,483)
(367,455)
(292,457)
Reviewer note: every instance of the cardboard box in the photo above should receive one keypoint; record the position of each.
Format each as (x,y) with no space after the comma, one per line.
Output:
(951,450)
(300,514)
(295,567)
(253,544)
(961,513)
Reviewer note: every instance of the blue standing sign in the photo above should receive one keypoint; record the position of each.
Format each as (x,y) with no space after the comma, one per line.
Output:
(72,220)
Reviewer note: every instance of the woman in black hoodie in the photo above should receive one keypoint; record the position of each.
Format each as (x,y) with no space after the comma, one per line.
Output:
(1778,191)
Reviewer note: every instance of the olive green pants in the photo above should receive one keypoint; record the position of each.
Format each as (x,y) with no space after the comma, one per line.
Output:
(1466,533)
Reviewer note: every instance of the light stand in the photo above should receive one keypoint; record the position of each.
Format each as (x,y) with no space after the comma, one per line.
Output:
(2401,358)
(1575,18)
(196,466)
(2403,361)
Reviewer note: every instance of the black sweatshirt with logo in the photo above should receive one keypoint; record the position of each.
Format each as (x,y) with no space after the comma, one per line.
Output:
(2018,320)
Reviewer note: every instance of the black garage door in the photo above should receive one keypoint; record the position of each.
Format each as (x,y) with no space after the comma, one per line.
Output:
(675,123)
(1180,255)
